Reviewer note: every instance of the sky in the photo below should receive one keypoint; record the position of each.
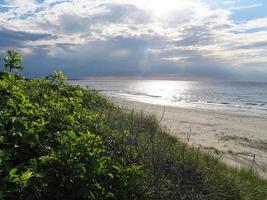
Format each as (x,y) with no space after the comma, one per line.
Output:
(194,39)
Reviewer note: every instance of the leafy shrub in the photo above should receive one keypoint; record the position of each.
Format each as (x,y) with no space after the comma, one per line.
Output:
(12,61)
(53,144)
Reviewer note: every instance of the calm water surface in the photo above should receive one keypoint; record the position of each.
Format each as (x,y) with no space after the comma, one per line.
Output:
(248,97)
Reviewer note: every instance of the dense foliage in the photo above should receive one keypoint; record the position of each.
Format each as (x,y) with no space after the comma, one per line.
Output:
(59,141)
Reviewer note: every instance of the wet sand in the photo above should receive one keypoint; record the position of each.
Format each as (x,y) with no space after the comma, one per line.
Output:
(239,139)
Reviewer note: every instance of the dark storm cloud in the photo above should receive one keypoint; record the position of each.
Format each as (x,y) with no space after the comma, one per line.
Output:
(121,56)
(11,38)
(117,56)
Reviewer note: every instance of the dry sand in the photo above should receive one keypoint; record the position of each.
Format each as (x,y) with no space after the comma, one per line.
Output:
(239,139)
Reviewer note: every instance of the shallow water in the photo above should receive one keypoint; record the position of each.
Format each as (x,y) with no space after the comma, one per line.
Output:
(246,97)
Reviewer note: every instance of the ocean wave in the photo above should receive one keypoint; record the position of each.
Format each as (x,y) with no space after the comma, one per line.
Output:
(251,104)
(140,94)
(224,103)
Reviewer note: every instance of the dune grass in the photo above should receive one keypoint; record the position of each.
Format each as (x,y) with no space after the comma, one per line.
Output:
(178,171)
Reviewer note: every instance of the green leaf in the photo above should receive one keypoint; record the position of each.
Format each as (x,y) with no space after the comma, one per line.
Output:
(111,175)
(1,139)
(12,176)
(26,175)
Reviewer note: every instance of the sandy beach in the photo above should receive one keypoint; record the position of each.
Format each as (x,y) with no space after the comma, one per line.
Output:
(239,139)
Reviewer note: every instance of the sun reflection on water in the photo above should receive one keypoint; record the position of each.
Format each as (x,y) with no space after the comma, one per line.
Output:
(204,94)
(161,90)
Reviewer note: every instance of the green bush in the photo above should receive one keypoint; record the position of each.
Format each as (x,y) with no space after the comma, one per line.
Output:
(53,144)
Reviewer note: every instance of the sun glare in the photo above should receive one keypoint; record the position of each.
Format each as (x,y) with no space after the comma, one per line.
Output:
(160,7)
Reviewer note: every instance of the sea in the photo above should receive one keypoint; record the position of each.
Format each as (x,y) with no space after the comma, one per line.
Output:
(239,97)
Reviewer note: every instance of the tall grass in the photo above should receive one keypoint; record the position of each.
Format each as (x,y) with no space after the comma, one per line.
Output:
(175,170)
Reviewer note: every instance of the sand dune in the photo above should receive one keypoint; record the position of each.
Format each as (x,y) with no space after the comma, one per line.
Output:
(239,139)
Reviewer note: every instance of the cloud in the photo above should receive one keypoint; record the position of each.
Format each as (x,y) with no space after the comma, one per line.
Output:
(20,8)
(18,39)
(255,24)
(246,7)
(123,37)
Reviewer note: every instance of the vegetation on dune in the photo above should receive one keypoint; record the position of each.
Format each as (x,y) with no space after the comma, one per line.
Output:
(59,141)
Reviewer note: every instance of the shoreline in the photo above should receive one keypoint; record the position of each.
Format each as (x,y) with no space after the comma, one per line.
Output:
(223,107)
(239,139)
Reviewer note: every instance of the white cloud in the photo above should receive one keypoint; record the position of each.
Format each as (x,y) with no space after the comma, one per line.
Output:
(255,23)
(176,59)
(246,7)
(21,7)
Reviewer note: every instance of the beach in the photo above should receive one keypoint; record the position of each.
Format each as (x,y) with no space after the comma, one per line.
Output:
(239,139)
